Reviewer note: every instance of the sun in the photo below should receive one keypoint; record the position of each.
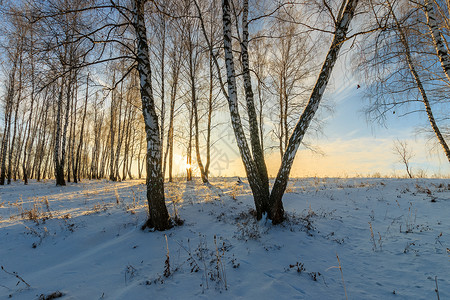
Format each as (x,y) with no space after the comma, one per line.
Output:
(188,166)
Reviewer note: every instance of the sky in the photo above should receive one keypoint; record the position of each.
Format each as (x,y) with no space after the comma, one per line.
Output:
(350,146)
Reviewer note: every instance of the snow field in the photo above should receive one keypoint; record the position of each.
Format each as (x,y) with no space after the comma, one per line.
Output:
(392,237)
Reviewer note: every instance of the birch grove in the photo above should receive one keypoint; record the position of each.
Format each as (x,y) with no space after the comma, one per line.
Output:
(124,89)
(271,204)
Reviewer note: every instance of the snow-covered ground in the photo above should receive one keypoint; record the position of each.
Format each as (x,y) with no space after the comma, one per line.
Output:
(392,237)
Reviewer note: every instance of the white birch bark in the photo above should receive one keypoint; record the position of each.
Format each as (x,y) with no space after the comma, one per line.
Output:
(159,217)
(438,40)
(59,171)
(247,159)
(8,112)
(257,151)
(343,23)
(420,86)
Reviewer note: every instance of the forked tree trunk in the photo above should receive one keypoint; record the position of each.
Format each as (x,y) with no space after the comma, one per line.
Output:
(258,154)
(250,165)
(343,23)
(254,165)
(158,215)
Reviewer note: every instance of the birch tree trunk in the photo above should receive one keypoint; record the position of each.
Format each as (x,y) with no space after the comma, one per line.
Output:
(59,170)
(72,114)
(76,164)
(139,157)
(66,124)
(8,112)
(343,22)
(16,60)
(203,174)
(251,169)
(158,215)
(189,146)
(210,112)
(438,40)
(212,62)
(112,176)
(13,141)
(120,132)
(42,144)
(281,124)
(258,154)
(176,57)
(15,172)
(163,73)
(28,145)
(193,63)
(420,86)
(127,136)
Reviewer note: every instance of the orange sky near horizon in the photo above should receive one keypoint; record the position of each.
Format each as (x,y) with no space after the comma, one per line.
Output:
(359,157)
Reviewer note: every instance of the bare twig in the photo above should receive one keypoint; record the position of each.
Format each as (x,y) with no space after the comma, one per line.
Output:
(372,238)
(16,275)
(437,288)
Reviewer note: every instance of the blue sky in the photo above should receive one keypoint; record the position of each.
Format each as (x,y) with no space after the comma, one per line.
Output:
(351,146)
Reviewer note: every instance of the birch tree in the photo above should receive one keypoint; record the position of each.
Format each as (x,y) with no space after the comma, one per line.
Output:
(271,204)
(158,215)
(444,58)
(404,153)
(437,36)
(292,64)
(403,74)
(110,29)
(175,54)
(419,83)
